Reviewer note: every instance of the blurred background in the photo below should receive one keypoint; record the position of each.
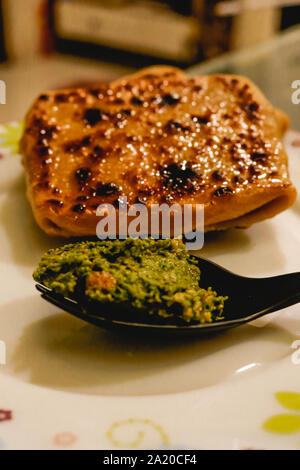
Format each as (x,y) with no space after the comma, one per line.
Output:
(48,44)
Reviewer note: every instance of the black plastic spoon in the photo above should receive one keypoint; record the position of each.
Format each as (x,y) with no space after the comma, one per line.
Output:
(249,299)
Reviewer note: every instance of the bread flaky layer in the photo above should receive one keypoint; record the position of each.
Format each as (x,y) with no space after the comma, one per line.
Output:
(156,137)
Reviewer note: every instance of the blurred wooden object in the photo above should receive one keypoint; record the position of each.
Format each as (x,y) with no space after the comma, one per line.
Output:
(2,38)
(215,32)
(253,26)
(22,27)
(235,7)
(126,31)
(224,29)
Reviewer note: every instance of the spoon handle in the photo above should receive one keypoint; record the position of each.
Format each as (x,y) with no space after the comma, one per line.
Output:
(286,284)
(281,290)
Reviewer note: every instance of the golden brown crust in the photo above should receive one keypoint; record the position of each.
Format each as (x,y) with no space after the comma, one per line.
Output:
(156,136)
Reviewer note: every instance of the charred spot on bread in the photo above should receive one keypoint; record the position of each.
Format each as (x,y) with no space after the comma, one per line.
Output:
(79,208)
(92,116)
(170,99)
(136,101)
(223,191)
(179,177)
(106,189)
(83,174)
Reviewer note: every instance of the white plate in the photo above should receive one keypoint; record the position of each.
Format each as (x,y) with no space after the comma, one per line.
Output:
(68,385)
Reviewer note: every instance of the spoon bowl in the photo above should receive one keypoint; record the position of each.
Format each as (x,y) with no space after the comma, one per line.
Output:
(248,299)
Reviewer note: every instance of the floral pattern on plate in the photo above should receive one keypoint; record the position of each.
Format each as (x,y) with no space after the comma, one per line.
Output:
(286,423)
